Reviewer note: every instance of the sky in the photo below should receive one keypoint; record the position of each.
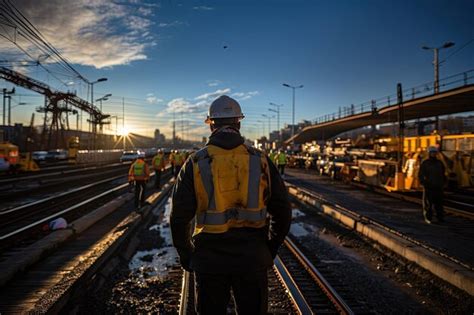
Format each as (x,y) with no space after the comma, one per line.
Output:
(169,59)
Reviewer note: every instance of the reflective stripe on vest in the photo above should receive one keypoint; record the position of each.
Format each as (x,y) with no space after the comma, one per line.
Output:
(240,190)
(219,218)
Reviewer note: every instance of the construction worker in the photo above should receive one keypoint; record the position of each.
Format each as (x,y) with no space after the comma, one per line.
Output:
(432,177)
(159,163)
(272,155)
(233,198)
(281,161)
(172,161)
(139,174)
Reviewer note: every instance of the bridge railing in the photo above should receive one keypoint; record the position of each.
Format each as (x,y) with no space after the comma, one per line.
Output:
(425,89)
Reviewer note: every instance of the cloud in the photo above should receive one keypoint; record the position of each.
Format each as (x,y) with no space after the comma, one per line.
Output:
(152,99)
(203,8)
(172,24)
(213,83)
(99,33)
(212,95)
(242,96)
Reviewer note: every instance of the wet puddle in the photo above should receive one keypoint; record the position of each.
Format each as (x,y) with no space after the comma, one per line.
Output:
(157,261)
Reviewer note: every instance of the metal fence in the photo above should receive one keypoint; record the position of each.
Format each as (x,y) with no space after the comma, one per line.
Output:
(422,90)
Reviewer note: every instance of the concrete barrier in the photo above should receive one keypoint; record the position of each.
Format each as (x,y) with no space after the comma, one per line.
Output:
(449,271)
(98,156)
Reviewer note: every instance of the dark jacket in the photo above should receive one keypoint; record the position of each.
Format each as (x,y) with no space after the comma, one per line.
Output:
(239,249)
(431,174)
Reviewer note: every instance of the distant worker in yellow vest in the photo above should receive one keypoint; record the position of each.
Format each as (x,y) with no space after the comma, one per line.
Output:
(179,159)
(172,161)
(234,200)
(139,174)
(272,155)
(281,161)
(159,163)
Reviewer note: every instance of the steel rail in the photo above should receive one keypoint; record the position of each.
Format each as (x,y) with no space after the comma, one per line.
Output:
(383,226)
(69,192)
(330,292)
(292,288)
(70,171)
(76,206)
(183,300)
(418,201)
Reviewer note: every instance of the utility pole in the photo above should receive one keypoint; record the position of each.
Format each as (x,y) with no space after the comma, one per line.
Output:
(174,127)
(7,95)
(293,109)
(401,125)
(182,127)
(123,121)
(436,63)
(278,117)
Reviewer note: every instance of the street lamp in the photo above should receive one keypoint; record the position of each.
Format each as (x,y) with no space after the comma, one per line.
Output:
(103,98)
(269,126)
(293,115)
(263,127)
(92,88)
(436,62)
(277,110)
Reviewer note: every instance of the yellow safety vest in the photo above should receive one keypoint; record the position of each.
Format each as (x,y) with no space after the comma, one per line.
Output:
(158,161)
(138,169)
(231,188)
(281,159)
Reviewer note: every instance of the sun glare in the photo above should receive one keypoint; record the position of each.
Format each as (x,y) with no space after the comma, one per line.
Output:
(123,131)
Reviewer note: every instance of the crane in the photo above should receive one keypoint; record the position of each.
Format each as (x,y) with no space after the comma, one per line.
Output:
(56,107)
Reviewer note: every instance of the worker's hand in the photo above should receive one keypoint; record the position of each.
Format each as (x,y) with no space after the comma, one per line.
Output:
(185,264)
(273,247)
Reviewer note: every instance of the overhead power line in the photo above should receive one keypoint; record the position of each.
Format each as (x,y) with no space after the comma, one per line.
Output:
(458,50)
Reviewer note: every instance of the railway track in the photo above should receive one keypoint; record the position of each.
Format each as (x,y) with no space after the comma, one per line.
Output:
(26,220)
(19,223)
(306,287)
(39,184)
(452,204)
(306,189)
(51,285)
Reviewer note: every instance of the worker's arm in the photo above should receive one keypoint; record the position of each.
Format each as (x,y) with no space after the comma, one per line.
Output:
(130,173)
(421,173)
(182,213)
(147,172)
(280,211)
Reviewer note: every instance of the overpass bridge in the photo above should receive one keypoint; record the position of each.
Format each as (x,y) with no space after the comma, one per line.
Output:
(456,96)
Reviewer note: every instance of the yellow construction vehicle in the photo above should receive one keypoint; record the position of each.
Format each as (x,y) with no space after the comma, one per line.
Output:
(73,148)
(10,154)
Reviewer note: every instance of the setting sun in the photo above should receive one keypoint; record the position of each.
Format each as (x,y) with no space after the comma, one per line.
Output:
(124,131)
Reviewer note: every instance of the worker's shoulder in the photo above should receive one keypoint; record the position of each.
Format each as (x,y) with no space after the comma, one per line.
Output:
(253,151)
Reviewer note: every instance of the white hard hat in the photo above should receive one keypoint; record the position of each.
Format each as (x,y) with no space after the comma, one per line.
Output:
(224,107)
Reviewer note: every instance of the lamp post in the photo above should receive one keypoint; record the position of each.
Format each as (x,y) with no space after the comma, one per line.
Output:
(116,123)
(263,127)
(293,111)
(277,110)
(10,108)
(7,96)
(436,62)
(269,124)
(92,90)
(103,98)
